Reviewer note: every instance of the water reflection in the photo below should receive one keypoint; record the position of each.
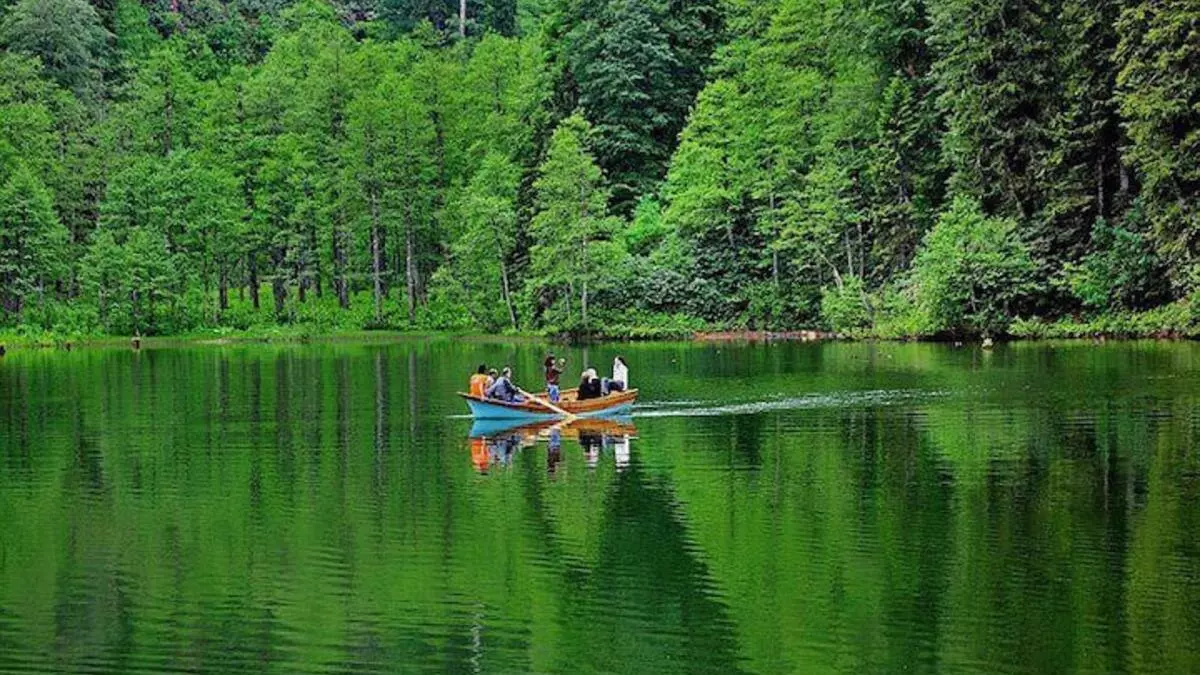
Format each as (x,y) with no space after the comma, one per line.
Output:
(493,443)
(311,509)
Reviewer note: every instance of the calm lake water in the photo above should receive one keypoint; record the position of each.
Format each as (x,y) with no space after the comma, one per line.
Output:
(768,508)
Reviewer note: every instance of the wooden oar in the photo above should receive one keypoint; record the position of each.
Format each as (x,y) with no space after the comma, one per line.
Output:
(547,404)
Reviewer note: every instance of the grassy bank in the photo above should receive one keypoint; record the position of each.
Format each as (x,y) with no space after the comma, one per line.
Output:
(1179,320)
(26,338)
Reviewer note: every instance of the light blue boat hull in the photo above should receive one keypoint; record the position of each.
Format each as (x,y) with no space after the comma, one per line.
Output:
(483,410)
(491,428)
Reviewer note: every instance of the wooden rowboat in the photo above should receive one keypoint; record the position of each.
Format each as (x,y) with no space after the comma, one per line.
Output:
(616,403)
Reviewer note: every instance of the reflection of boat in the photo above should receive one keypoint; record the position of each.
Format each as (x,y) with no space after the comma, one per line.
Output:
(616,403)
(494,441)
(608,426)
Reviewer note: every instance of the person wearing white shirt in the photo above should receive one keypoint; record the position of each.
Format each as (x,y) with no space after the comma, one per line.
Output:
(620,374)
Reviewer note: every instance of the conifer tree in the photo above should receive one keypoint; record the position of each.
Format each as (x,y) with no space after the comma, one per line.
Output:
(572,225)
(1158,87)
(32,241)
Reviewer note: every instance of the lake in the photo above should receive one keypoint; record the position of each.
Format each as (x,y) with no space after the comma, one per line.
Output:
(768,508)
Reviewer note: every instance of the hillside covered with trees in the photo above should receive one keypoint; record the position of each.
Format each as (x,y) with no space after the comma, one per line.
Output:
(619,167)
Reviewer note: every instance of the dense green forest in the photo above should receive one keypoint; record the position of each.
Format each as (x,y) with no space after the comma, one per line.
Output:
(621,167)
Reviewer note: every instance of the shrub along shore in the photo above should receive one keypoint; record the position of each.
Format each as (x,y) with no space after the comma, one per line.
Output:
(1178,321)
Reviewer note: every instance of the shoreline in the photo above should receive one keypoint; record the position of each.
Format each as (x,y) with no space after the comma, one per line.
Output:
(11,343)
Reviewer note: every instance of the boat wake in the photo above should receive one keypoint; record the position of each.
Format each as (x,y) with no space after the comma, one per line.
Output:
(832,400)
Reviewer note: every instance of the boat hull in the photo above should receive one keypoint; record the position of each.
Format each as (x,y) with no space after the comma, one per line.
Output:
(617,404)
(617,425)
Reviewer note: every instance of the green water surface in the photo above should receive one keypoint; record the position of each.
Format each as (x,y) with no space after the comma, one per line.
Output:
(779,508)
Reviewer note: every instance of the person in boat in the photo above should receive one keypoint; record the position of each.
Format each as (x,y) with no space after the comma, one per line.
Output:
(553,371)
(479,382)
(503,388)
(620,378)
(492,375)
(589,385)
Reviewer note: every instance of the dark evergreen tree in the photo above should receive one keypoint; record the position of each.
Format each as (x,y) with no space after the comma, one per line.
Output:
(66,35)
(995,72)
(1158,90)
(634,67)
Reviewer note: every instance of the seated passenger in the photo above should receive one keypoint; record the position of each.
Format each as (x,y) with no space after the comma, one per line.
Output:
(479,382)
(589,385)
(503,389)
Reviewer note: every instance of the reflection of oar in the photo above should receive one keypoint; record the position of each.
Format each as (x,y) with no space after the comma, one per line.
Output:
(546,404)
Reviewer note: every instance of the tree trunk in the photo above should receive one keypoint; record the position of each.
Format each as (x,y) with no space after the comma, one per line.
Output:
(277,283)
(410,270)
(583,302)
(512,312)
(377,257)
(462,18)
(252,266)
(340,284)
(223,291)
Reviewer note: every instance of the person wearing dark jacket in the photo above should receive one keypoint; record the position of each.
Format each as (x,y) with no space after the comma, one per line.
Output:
(553,370)
(589,385)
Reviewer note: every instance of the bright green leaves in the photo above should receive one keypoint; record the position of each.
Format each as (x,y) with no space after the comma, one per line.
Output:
(480,277)
(972,271)
(33,241)
(572,228)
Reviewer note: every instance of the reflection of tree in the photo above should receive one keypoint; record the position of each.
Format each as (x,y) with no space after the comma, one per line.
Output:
(647,603)
(1162,583)
(329,515)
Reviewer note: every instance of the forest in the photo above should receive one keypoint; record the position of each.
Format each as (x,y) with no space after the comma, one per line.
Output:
(916,168)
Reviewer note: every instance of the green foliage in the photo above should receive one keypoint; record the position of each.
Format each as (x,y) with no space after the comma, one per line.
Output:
(571,230)
(478,283)
(1121,273)
(636,66)
(1176,319)
(1158,86)
(32,242)
(972,271)
(65,35)
(647,230)
(844,307)
(777,164)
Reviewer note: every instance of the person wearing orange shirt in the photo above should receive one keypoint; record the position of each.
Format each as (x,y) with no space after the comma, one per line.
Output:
(479,382)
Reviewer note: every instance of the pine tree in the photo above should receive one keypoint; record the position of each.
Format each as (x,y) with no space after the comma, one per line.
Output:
(66,35)
(1083,182)
(995,73)
(572,224)
(33,243)
(482,269)
(1158,86)
(637,66)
